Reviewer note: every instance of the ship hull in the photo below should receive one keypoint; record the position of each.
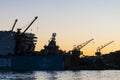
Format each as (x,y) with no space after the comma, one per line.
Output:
(31,62)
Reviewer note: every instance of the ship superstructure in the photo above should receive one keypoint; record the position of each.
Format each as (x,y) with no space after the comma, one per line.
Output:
(7,42)
(52,48)
(25,44)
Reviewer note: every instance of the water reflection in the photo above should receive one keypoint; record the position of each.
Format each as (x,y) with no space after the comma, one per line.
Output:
(16,76)
(62,75)
(80,75)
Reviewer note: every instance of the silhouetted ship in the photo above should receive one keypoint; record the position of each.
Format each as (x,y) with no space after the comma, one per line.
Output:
(17,53)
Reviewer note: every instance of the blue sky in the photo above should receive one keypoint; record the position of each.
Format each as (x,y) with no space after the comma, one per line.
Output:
(74,21)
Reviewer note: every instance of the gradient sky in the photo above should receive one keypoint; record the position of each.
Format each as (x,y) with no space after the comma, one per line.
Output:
(74,21)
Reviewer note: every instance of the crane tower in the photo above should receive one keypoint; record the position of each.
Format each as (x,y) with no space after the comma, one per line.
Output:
(98,53)
(78,47)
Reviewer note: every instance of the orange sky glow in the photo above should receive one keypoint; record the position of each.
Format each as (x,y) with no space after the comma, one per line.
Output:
(74,21)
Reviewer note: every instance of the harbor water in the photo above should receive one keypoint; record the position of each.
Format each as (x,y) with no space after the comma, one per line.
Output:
(61,75)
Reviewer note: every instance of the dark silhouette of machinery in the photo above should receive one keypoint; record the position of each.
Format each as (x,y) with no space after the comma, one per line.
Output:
(98,53)
(29,25)
(14,24)
(77,48)
(25,41)
(52,48)
(76,53)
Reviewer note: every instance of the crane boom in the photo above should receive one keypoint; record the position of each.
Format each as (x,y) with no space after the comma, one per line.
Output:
(78,47)
(30,25)
(14,24)
(102,46)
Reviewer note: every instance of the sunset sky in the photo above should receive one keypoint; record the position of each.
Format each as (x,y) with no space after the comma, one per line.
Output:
(74,21)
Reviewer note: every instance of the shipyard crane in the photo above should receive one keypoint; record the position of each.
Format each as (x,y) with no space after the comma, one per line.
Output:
(76,50)
(98,53)
(14,24)
(29,25)
(20,39)
(78,47)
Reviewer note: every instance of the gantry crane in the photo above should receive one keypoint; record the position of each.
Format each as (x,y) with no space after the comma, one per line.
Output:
(98,53)
(78,47)
(14,24)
